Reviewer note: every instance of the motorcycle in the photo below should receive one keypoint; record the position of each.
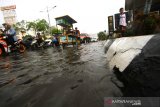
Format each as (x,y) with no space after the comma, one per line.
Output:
(36,45)
(27,40)
(5,48)
(48,42)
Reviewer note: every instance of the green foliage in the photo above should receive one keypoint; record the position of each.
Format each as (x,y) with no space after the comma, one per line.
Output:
(144,24)
(31,25)
(42,25)
(55,30)
(149,25)
(20,26)
(102,36)
(38,25)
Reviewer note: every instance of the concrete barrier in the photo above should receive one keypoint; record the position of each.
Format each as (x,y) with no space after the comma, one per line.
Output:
(108,44)
(123,50)
(136,61)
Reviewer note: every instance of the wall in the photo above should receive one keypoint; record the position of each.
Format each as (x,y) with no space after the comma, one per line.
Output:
(136,62)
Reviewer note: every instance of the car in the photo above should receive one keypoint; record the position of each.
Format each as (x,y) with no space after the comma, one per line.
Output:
(94,39)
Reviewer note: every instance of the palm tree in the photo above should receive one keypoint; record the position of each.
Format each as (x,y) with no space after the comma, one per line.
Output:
(42,25)
(32,25)
(55,30)
(38,25)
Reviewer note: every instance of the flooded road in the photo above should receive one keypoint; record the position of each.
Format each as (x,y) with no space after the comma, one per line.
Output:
(52,78)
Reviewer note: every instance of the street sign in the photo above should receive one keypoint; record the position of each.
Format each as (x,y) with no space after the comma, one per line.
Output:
(8,7)
(110,25)
(9,14)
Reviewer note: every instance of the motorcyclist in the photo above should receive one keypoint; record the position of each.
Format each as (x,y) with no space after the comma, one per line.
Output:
(1,32)
(10,33)
(39,39)
(55,41)
(77,34)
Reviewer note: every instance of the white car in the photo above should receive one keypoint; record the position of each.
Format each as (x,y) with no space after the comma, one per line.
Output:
(94,39)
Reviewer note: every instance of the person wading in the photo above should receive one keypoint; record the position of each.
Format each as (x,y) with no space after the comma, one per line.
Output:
(39,39)
(77,34)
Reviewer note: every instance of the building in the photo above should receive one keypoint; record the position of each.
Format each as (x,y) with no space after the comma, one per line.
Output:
(142,5)
(8,11)
(144,16)
(85,38)
(145,6)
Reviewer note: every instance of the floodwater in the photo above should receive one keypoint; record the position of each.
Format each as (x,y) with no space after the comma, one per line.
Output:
(57,78)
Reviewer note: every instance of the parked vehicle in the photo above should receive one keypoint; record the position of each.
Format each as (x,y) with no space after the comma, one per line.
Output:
(48,42)
(94,39)
(68,36)
(5,48)
(27,40)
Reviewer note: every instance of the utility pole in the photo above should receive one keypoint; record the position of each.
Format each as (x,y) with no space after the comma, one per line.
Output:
(147,6)
(49,22)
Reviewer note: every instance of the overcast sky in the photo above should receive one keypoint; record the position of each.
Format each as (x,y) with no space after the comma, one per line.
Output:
(91,15)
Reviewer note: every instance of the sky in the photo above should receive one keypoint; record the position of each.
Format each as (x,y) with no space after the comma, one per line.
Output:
(91,15)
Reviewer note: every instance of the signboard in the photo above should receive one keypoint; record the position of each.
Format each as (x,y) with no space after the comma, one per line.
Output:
(110,25)
(69,39)
(59,21)
(9,14)
(8,7)
(10,20)
(63,39)
(62,22)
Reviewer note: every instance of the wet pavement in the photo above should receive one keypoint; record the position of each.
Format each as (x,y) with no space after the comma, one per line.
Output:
(57,78)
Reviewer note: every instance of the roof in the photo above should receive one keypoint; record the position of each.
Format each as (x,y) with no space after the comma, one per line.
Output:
(67,18)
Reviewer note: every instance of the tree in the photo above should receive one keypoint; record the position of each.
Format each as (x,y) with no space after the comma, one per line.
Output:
(20,26)
(42,25)
(38,25)
(32,25)
(55,30)
(102,36)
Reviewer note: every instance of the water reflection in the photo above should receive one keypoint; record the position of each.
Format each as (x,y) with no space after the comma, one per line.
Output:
(63,71)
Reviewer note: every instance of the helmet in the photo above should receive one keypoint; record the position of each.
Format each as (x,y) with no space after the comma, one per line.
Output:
(5,24)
